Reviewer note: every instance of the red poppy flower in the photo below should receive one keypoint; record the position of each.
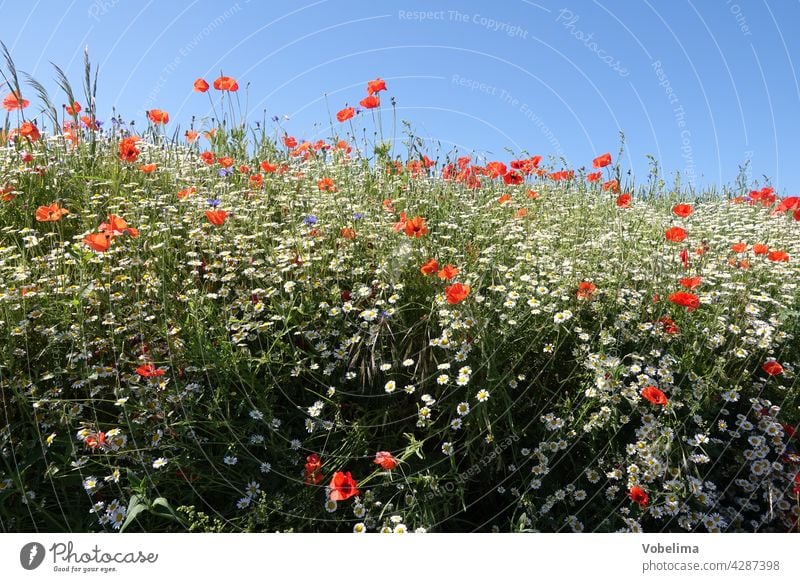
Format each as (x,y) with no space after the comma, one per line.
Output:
(624,200)
(216,217)
(313,470)
(416,227)
(267,167)
(50,213)
(684,255)
(208,158)
(639,496)
(348,233)
(12,102)
(191,135)
(345,114)
(601,161)
(521,213)
(683,210)
(256,180)
(778,256)
(226,84)
(772,368)
(375,86)
(688,300)
(149,371)
(675,234)
(128,152)
(739,247)
(594,176)
(760,249)
(610,185)
(326,185)
(200,85)
(385,460)
(513,178)
(225,161)
(343,486)
(30,131)
(186,192)
(95,440)
(654,395)
(158,117)
(668,325)
(691,282)
(73,109)
(456,293)
(98,241)
(586,289)
(504,198)
(430,267)
(289,141)
(148,168)
(370,102)
(495,169)
(448,272)
(116,226)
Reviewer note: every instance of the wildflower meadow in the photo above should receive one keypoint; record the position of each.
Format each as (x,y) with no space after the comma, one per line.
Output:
(229,328)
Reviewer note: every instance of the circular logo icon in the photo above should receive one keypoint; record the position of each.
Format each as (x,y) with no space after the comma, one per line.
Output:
(31,555)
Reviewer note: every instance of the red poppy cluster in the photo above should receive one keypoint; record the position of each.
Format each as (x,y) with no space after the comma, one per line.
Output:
(371,101)
(101,241)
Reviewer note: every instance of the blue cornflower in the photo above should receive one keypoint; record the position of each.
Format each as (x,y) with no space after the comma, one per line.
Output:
(214,202)
(310,219)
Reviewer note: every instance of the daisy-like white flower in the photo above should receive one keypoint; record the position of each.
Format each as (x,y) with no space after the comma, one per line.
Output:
(408,362)
(159,462)
(483,395)
(243,502)
(390,386)
(400,528)
(463,408)
(447,448)
(117,517)
(330,506)
(360,528)
(230,460)
(256,414)
(252,490)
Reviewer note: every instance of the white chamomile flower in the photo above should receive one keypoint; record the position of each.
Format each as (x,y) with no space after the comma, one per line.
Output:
(330,506)
(463,408)
(447,448)
(408,362)
(483,395)
(390,386)
(159,462)
(360,528)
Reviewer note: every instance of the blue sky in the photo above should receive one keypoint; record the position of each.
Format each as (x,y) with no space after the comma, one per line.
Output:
(702,86)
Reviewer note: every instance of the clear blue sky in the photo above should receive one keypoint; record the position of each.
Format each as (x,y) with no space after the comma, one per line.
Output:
(702,86)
